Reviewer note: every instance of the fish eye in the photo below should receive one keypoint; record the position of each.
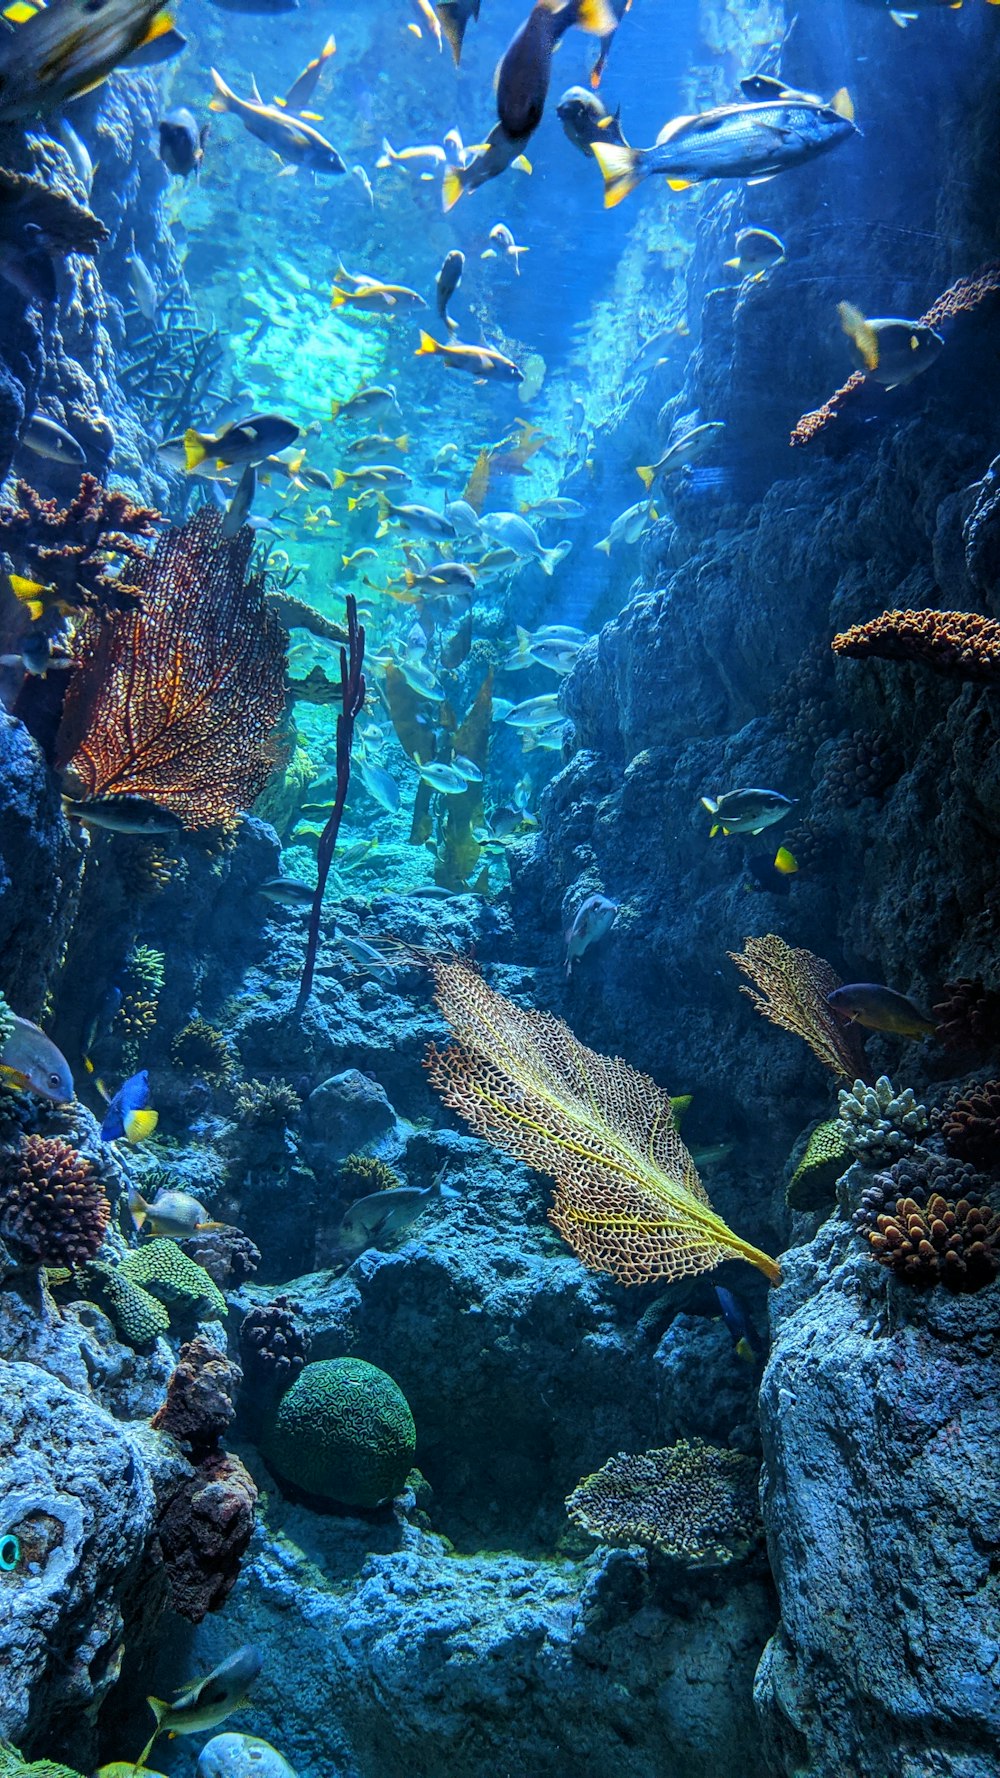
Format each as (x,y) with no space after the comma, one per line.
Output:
(55,1080)
(10,1552)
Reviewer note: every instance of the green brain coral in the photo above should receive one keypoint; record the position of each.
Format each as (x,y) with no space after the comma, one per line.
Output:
(165,1272)
(343,1431)
(827,1155)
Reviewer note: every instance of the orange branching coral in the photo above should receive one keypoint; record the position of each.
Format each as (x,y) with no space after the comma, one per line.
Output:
(960,297)
(177,701)
(628,1197)
(958,644)
(52,1205)
(73,547)
(790,988)
(954,1244)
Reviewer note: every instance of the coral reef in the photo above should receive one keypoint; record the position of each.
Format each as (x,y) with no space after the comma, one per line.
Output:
(273,1347)
(361,1174)
(342,1432)
(74,548)
(201,1048)
(201,1397)
(225,1253)
(879,1123)
(790,988)
(160,1268)
(266,1104)
(13,1766)
(52,1203)
(956,1244)
(203,1533)
(969,1123)
(202,647)
(968,1016)
(827,1155)
(957,644)
(859,766)
(138,1316)
(693,1502)
(628,1197)
(141,990)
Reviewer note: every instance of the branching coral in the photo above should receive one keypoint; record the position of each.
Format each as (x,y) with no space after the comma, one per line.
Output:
(692,1501)
(266,1104)
(879,1123)
(969,1124)
(968,1016)
(273,1347)
(201,1048)
(956,644)
(52,1205)
(960,298)
(628,1197)
(73,548)
(790,988)
(177,701)
(956,1244)
(827,1155)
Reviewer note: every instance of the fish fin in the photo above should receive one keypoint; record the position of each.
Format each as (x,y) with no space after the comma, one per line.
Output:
(597,17)
(714,830)
(709,803)
(843,104)
(522,163)
(488,253)
(680,184)
(646,475)
(620,169)
(744,1350)
(255,93)
(451,188)
(604,546)
(426,346)
(785,862)
(860,332)
(339,478)
(138,1207)
(734,263)
(140,1124)
(195,449)
(402,443)
(14,1075)
(224,96)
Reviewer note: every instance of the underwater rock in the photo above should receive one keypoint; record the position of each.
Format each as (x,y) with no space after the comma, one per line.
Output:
(39,871)
(203,1530)
(351,1114)
(241,1756)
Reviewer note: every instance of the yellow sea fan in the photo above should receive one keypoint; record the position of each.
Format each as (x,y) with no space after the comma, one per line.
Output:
(628,1197)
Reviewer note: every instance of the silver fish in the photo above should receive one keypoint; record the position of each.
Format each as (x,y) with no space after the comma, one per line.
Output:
(371,1219)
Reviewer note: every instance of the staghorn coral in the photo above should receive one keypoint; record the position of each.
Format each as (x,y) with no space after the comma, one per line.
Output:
(969,1123)
(273,1348)
(203,1533)
(73,547)
(201,1048)
(828,1154)
(693,1502)
(225,1253)
(266,1104)
(52,1205)
(879,1123)
(628,1197)
(137,1316)
(361,1174)
(342,1432)
(956,1244)
(968,1015)
(956,644)
(201,1396)
(964,295)
(789,987)
(160,1268)
(177,701)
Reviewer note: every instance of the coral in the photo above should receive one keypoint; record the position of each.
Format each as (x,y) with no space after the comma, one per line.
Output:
(74,547)
(343,1432)
(352,683)
(6,1022)
(859,766)
(201,1048)
(628,1197)
(273,1348)
(969,1123)
(968,1015)
(827,1155)
(957,644)
(962,296)
(879,1123)
(804,703)
(177,701)
(225,1253)
(201,1397)
(138,1316)
(361,1174)
(203,1533)
(46,214)
(165,1272)
(919,1175)
(266,1104)
(144,868)
(693,1502)
(790,989)
(52,1205)
(956,1244)
(13,1766)
(296,614)
(172,368)
(143,983)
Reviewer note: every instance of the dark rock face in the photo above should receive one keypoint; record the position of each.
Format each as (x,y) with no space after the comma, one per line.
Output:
(39,871)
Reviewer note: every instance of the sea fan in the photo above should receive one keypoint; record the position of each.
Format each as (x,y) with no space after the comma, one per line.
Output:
(628,1197)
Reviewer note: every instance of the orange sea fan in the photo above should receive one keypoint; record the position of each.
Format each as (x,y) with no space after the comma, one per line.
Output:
(177,700)
(789,987)
(628,1197)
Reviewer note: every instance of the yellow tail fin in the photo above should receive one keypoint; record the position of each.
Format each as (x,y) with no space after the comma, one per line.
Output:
(604,546)
(402,443)
(843,104)
(337,300)
(620,168)
(452,187)
(860,332)
(335,407)
(646,474)
(339,478)
(140,1124)
(597,17)
(223,95)
(426,346)
(195,449)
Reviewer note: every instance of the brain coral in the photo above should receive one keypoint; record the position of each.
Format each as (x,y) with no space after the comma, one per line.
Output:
(692,1501)
(51,1202)
(343,1431)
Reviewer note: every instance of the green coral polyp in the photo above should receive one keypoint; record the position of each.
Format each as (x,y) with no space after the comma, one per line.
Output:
(343,1432)
(827,1155)
(138,1317)
(161,1269)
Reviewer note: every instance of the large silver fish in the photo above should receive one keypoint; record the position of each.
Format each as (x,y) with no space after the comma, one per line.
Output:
(290,137)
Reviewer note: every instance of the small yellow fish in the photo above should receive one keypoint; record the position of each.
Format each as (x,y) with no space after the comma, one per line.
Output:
(39,596)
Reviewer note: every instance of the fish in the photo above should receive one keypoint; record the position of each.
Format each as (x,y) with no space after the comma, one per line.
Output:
(122,814)
(380,785)
(32,1062)
(40,654)
(154,51)
(374,443)
(749,141)
(497,153)
(747,811)
(143,285)
(890,351)
(443,577)
(419,521)
(467,768)
(586,119)
(904,15)
(287,892)
(746,1340)
(371,475)
(66,48)
(430,154)
(593,918)
(691,447)
(239,506)
(304,85)
(772,874)
(535,713)
(252,440)
(757,249)
(880,1009)
(628,527)
(505,243)
(445,779)
(420,679)
(621,7)
(79,153)
(173,1214)
(46,438)
(464,519)
(556,652)
(99,1021)
(370,1219)
(556,507)
(427,16)
(377,298)
(358,556)
(238,1756)
(365,401)
(129,1113)
(453,17)
(182,143)
(446,283)
(206,1702)
(510,529)
(291,138)
(522,78)
(358,173)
